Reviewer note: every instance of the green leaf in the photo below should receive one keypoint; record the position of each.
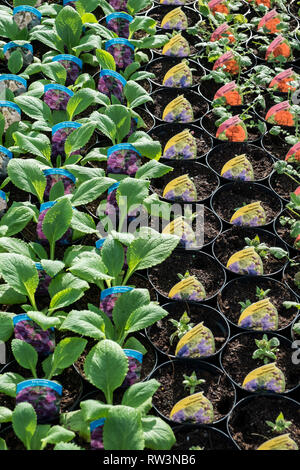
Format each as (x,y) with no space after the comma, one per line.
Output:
(57,220)
(133,343)
(65,354)
(25,354)
(65,298)
(40,433)
(127,303)
(135,94)
(67,446)
(107,379)
(145,316)
(34,108)
(14,245)
(105,59)
(57,191)
(153,169)
(80,101)
(20,273)
(8,296)
(3,445)
(9,382)
(91,269)
(90,190)
(39,146)
(55,71)
(130,434)
(24,423)
(121,117)
(79,137)
(82,222)
(138,394)
(7,326)
(68,25)
(52,268)
(65,281)
(42,320)
(16,219)
(74,421)
(28,176)
(5,415)
(15,61)
(58,434)
(85,323)
(158,435)
(131,193)
(112,254)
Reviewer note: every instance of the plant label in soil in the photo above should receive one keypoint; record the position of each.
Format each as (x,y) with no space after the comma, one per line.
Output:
(178,46)
(198,342)
(238,168)
(188,289)
(265,378)
(283,442)
(178,110)
(233,130)
(179,76)
(181,188)
(293,153)
(251,215)
(260,316)
(195,408)
(246,262)
(181,146)
(175,19)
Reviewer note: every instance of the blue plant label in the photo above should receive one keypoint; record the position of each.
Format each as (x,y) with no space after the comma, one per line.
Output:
(65,2)
(113,16)
(12,44)
(117,147)
(40,383)
(115,290)
(47,205)
(100,243)
(63,125)
(59,171)
(97,423)
(29,9)
(10,104)
(114,74)
(15,78)
(39,267)
(69,57)
(113,187)
(2,195)
(6,152)
(22,317)
(58,87)
(113,42)
(134,354)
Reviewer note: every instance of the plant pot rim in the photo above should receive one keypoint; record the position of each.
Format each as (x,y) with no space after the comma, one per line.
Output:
(260,186)
(252,333)
(292,326)
(205,427)
(285,201)
(244,279)
(254,396)
(225,180)
(200,364)
(237,276)
(206,358)
(191,61)
(284,276)
(190,253)
(290,247)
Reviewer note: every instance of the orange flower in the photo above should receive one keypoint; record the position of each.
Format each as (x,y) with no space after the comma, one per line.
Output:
(292,158)
(271,25)
(283,49)
(230,36)
(232,67)
(235,134)
(297,192)
(267,3)
(297,156)
(233,98)
(284,118)
(284,86)
(221,8)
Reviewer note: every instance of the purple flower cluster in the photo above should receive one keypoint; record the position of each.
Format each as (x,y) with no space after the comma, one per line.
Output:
(45,401)
(118,5)
(108,303)
(97,438)
(120,26)
(125,162)
(30,332)
(58,142)
(122,54)
(44,282)
(66,239)
(245,174)
(53,179)
(178,25)
(134,372)
(182,82)
(111,86)
(57,100)
(73,71)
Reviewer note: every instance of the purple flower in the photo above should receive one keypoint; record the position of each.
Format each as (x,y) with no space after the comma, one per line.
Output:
(120,26)
(73,71)
(45,401)
(55,178)
(97,438)
(57,100)
(122,54)
(125,162)
(30,332)
(58,142)
(111,86)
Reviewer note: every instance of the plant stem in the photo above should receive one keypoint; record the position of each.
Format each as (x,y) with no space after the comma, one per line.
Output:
(52,251)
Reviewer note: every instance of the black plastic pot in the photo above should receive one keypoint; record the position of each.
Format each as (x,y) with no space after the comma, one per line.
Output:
(166,63)
(209,438)
(193,169)
(207,123)
(213,319)
(243,418)
(191,259)
(285,180)
(238,189)
(158,13)
(282,339)
(242,232)
(164,132)
(170,94)
(234,284)
(292,8)
(286,277)
(196,366)
(277,226)
(293,334)
(255,154)
(267,141)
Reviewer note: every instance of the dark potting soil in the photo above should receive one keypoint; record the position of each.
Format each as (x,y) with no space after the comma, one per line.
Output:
(227,200)
(283,185)
(209,126)
(192,40)
(276,145)
(212,226)
(294,8)
(159,13)
(149,360)
(284,231)
(259,159)
(161,331)
(207,439)
(217,388)
(237,359)
(164,134)
(161,66)
(204,179)
(233,240)
(69,380)
(204,268)
(248,425)
(163,97)
(15,194)
(289,275)
(241,290)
